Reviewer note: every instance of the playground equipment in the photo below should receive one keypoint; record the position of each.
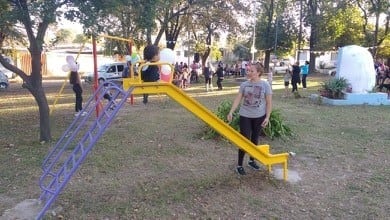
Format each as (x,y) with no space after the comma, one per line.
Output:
(81,136)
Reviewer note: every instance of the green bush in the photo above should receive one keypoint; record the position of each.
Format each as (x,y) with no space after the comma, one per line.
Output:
(333,88)
(275,128)
(222,112)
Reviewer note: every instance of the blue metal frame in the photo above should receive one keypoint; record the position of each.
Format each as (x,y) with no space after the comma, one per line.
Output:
(69,152)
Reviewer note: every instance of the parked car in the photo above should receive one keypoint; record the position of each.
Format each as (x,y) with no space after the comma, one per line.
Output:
(280,67)
(3,81)
(107,71)
(7,72)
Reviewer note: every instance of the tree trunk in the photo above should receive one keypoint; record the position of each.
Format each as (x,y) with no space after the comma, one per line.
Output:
(44,117)
(312,64)
(34,85)
(205,56)
(206,53)
(267,58)
(313,19)
(171,41)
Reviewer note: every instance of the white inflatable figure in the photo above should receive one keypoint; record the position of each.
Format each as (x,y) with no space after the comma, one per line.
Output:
(65,68)
(167,55)
(72,64)
(357,66)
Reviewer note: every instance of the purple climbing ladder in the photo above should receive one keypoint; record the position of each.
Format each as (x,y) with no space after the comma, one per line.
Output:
(77,141)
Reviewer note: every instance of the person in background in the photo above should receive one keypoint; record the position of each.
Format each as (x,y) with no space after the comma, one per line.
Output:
(108,96)
(220,76)
(126,70)
(304,73)
(150,73)
(255,96)
(208,77)
(74,79)
(194,72)
(385,83)
(286,79)
(244,65)
(295,77)
(177,68)
(185,77)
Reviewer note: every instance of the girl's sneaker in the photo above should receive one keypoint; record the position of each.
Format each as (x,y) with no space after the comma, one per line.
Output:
(240,170)
(252,164)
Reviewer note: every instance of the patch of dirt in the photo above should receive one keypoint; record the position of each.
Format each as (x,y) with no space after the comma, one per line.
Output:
(25,210)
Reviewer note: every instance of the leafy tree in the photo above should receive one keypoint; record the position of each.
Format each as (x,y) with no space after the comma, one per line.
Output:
(242,51)
(210,19)
(35,18)
(80,39)
(172,18)
(276,29)
(113,18)
(384,49)
(340,22)
(9,34)
(375,8)
(314,18)
(62,36)
(126,19)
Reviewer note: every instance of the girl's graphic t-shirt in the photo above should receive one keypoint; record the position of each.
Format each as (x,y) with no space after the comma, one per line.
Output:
(254,93)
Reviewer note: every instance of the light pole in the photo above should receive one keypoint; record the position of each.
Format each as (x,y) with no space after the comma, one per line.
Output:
(276,28)
(253,49)
(188,48)
(300,30)
(188,32)
(276,35)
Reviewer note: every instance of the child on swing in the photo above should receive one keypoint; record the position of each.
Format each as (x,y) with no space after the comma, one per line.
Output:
(150,73)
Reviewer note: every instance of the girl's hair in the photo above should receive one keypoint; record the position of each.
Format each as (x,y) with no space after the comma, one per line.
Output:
(150,51)
(259,68)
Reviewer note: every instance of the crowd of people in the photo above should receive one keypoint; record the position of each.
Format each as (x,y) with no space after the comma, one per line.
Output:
(382,77)
(185,74)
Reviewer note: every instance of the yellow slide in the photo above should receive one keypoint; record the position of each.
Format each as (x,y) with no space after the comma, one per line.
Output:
(260,153)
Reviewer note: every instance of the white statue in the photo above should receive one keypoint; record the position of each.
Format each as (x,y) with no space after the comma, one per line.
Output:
(356,64)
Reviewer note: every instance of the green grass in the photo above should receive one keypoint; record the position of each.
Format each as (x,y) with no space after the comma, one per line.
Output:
(153,163)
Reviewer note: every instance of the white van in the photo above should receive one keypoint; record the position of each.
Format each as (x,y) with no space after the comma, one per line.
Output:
(107,71)
(7,72)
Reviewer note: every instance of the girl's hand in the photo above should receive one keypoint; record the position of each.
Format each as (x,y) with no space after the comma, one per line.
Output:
(265,122)
(230,117)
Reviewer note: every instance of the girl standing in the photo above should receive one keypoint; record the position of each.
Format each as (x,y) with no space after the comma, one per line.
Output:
(286,79)
(255,96)
(208,77)
(75,80)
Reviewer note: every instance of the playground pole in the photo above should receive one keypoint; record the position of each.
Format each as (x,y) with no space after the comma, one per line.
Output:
(95,78)
(131,70)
